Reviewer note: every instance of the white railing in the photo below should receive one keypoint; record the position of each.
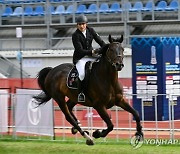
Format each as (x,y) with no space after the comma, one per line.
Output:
(124,124)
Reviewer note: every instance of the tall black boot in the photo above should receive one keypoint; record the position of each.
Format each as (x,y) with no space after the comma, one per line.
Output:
(81,96)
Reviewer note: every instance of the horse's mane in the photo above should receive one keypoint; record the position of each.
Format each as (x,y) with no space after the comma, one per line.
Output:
(104,49)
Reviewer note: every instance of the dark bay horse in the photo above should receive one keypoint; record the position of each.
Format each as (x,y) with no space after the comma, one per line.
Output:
(103,90)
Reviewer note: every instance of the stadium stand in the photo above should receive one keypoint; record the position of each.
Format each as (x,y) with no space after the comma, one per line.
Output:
(133,15)
(47,26)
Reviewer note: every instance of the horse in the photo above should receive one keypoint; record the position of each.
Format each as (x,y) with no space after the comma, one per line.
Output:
(102,92)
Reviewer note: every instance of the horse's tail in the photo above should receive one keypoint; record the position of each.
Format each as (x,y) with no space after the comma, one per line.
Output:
(44,96)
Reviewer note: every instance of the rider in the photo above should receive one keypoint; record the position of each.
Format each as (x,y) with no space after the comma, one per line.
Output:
(82,41)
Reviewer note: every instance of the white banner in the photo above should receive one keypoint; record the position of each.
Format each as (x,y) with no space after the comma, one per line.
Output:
(32,119)
(3,110)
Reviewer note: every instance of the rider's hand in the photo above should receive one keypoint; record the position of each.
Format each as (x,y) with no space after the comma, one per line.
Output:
(95,52)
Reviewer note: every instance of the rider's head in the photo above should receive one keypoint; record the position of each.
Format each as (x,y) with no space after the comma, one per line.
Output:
(81,22)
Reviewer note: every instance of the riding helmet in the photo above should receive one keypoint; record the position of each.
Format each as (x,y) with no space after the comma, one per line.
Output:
(81,19)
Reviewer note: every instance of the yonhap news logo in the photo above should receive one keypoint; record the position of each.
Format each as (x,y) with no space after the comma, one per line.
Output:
(156,142)
(159,142)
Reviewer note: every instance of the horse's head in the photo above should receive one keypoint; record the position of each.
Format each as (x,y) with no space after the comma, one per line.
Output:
(115,52)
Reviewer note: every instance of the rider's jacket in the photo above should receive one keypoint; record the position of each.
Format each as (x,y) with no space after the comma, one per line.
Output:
(83,46)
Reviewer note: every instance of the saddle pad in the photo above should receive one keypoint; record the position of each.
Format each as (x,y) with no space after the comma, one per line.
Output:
(72,78)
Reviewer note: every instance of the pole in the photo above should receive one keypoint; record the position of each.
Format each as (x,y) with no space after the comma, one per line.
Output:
(21,74)
(19,35)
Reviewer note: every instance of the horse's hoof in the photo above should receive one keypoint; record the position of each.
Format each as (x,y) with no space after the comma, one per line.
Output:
(137,140)
(89,142)
(74,130)
(96,134)
(139,134)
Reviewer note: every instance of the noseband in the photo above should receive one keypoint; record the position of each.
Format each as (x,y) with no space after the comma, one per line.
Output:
(112,61)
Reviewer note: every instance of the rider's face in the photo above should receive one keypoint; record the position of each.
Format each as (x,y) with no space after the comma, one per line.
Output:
(82,26)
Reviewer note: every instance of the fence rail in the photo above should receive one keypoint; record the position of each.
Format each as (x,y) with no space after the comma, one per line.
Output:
(15,122)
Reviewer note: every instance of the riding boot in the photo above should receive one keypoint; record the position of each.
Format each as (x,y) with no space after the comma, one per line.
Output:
(81,96)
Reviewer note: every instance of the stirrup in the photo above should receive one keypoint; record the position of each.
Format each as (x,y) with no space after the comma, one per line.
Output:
(81,97)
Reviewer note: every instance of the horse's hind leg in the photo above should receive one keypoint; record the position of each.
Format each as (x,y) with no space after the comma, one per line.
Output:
(124,105)
(71,105)
(64,108)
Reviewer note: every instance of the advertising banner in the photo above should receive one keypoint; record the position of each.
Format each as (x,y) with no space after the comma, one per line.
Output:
(32,119)
(156,71)
(4,110)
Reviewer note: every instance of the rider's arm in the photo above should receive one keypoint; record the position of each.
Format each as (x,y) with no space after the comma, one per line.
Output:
(97,38)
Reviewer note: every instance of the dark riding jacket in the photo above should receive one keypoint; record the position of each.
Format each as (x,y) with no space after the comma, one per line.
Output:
(83,46)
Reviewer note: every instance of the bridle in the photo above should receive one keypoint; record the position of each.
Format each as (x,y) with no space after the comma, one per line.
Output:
(112,61)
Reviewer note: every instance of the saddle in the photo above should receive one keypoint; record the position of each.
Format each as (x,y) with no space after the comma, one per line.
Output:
(72,78)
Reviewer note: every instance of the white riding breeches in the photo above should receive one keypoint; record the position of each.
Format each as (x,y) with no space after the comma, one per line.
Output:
(80,65)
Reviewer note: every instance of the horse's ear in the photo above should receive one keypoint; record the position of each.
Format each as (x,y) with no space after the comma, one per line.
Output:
(110,39)
(120,39)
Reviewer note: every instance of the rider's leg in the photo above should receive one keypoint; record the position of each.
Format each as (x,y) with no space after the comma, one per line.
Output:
(80,65)
(81,70)
(81,96)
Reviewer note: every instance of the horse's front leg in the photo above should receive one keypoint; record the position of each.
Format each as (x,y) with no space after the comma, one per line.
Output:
(102,111)
(120,101)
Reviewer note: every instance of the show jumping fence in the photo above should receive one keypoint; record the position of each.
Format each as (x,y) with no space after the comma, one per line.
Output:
(19,118)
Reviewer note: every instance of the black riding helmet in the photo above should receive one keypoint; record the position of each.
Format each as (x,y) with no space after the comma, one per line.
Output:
(81,19)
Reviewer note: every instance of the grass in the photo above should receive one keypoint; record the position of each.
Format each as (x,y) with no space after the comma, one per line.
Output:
(59,147)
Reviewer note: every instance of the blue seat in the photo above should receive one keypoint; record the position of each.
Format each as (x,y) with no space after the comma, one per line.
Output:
(138,6)
(18,11)
(59,10)
(28,11)
(161,6)
(104,8)
(92,9)
(7,12)
(81,9)
(39,11)
(148,6)
(115,8)
(69,10)
(127,6)
(173,6)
